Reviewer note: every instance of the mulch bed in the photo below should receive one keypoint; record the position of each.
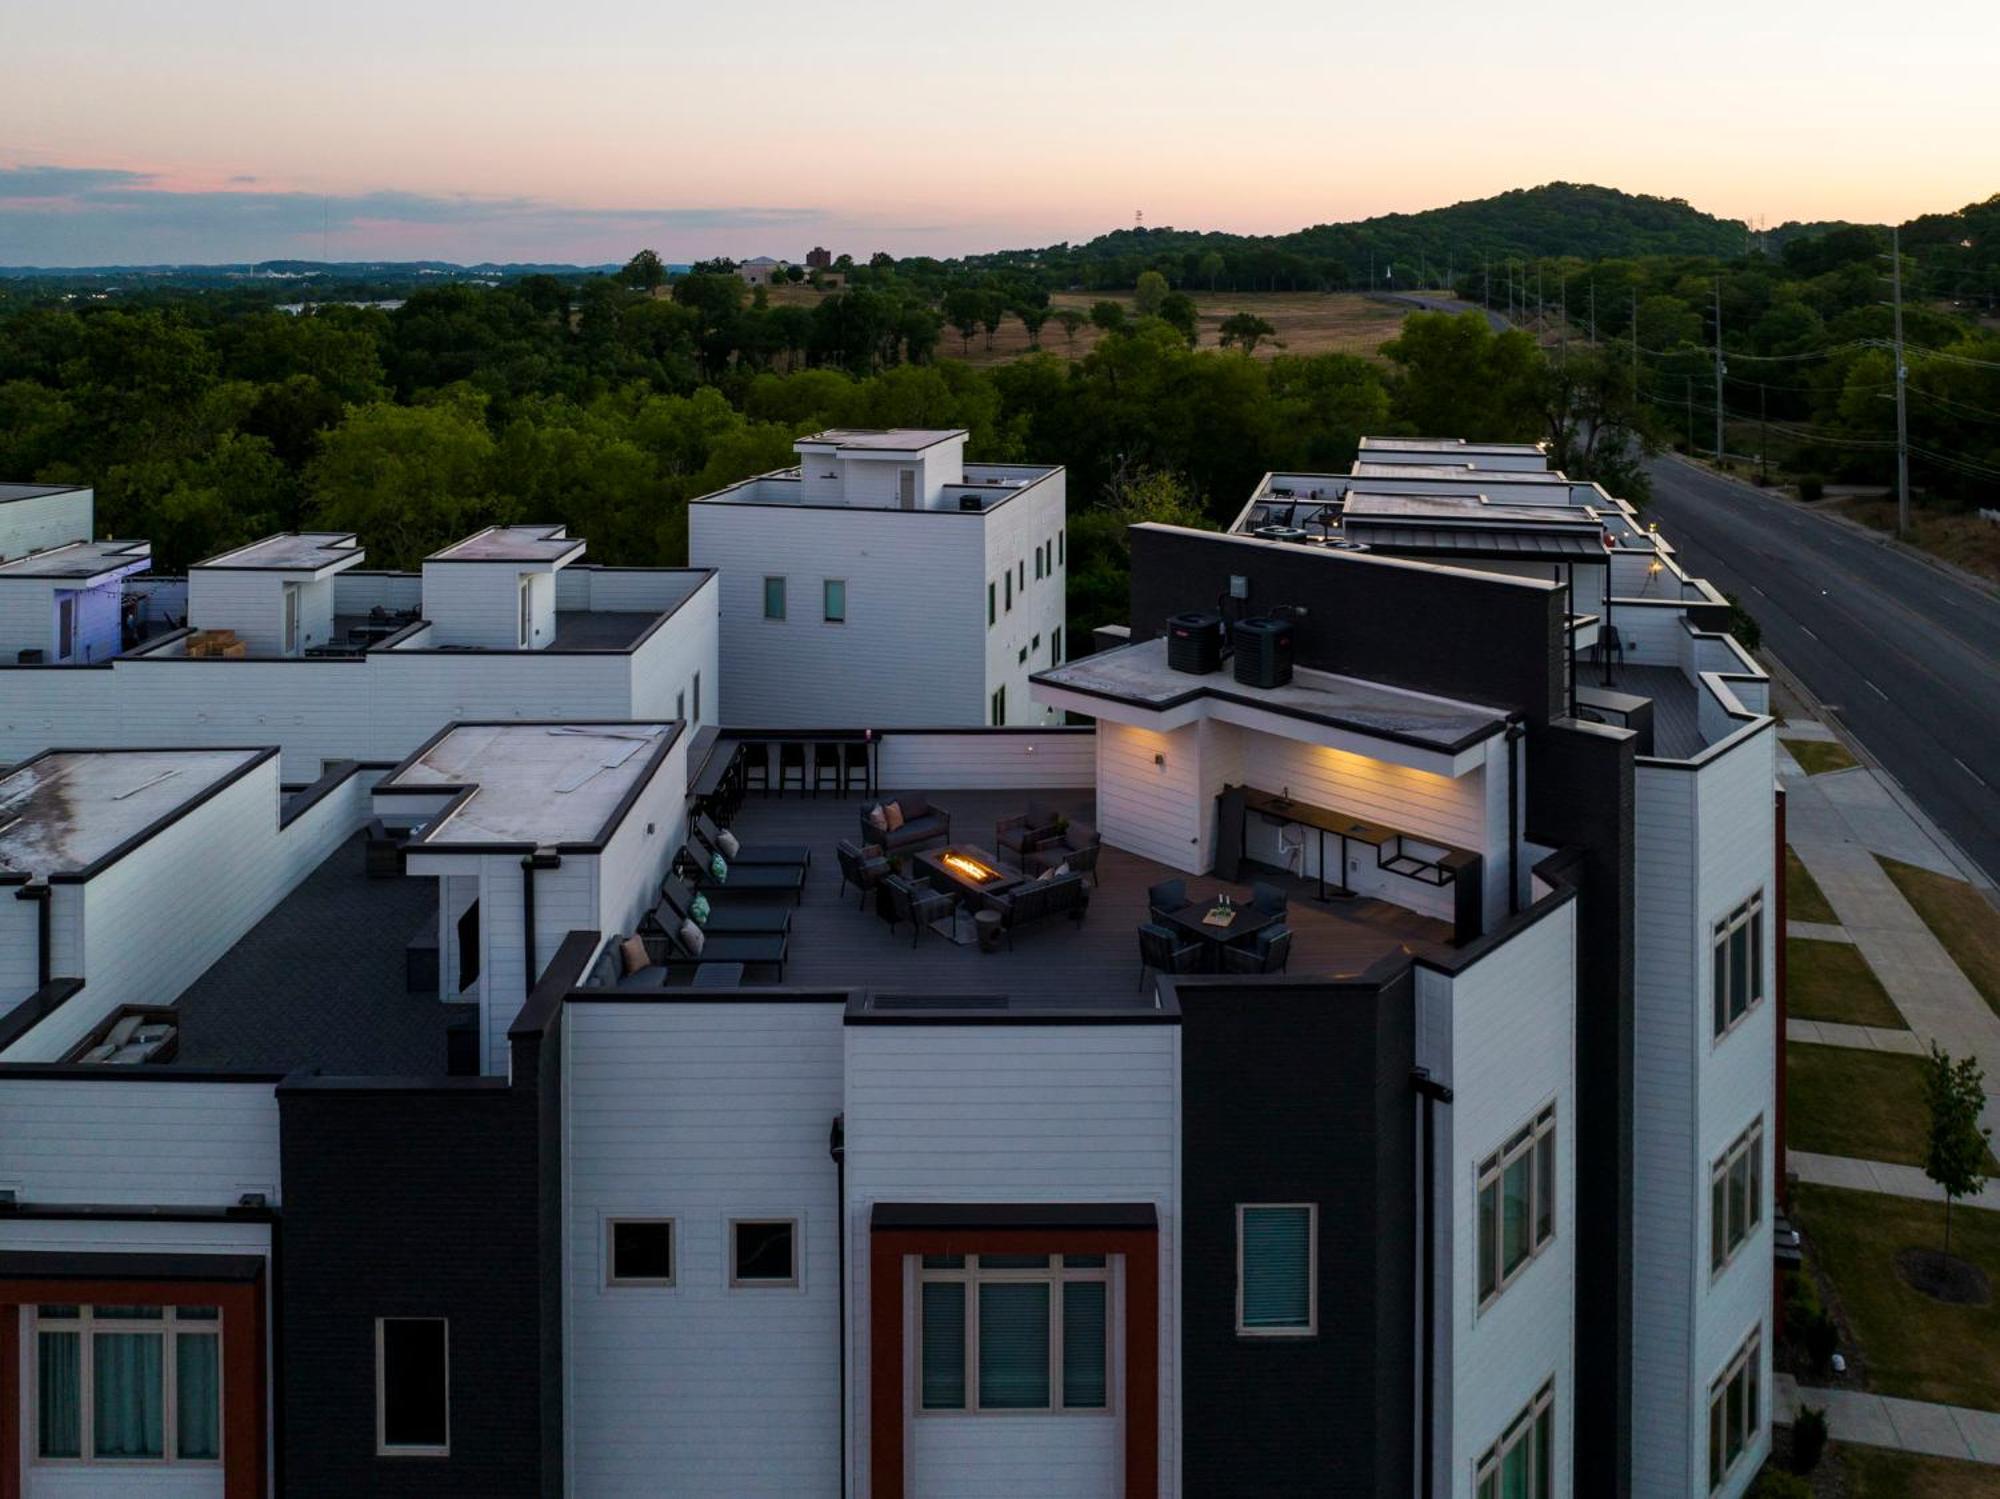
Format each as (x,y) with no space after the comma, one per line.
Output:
(1944,1277)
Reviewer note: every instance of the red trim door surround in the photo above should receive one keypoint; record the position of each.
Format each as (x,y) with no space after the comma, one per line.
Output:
(243,1382)
(888,1420)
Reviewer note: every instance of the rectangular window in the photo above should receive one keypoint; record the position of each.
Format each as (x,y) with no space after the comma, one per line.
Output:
(1055,646)
(763,1252)
(1277,1279)
(1038,564)
(992,613)
(66,626)
(1014,1332)
(412,1387)
(1735,1196)
(999,707)
(1521,1465)
(1059,547)
(639,1252)
(1022,658)
(1739,963)
(1735,1411)
(774,598)
(1009,581)
(1517,1203)
(680,704)
(527,608)
(697,697)
(128,1384)
(834,601)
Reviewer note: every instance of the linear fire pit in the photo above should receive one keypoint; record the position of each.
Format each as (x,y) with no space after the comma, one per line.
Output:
(969,870)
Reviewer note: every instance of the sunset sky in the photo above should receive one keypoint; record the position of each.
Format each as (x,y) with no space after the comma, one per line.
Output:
(216,130)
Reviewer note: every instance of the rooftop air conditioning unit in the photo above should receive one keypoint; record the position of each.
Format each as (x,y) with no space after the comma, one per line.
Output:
(1194,642)
(1263,651)
(971,502)
(1281,533)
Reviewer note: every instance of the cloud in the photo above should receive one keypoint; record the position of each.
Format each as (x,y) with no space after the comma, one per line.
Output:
(104,216)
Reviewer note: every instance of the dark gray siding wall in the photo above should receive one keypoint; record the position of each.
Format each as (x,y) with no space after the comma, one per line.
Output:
(1300,1092)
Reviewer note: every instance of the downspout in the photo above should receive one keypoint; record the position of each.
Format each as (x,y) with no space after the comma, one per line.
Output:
(542,858)
(1569,608)
(1432,1092)
(42,894)
(1515,731)
(836,1146)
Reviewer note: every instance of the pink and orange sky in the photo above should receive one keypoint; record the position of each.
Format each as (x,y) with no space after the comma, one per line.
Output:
(214,130)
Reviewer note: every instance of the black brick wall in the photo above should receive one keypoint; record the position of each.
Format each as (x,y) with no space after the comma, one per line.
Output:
(1294,1093)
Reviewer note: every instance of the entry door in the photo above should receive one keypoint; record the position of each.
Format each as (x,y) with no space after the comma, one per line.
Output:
(65,626)
(291,618)
(906,488)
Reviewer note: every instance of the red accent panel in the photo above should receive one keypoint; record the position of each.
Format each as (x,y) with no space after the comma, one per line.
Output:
(243,1383)
(888,1420)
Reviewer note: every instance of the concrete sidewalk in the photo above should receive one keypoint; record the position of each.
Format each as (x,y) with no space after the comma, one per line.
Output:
(1858,1037)
(1886,1177)
(1884,1421)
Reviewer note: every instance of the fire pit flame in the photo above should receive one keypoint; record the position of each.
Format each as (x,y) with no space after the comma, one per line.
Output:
(971,869)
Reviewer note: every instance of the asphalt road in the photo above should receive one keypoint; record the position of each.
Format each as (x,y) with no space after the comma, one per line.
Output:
(1908,655)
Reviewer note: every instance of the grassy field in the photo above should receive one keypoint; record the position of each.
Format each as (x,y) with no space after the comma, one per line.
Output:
(1803,899)
(1832,981)
(1916,1347)
(1956,536)
(1866,1104)
(1876,1473)
(1960,918)
(1817,756)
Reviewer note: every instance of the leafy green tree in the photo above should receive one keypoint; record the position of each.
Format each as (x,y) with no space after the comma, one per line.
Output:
(1455,375)
(1245,330)
(1032,318)
(1149,293)
(1210,269)
(1109,316)
(1072,322)
(1956,1151)
(644,271)
(1177,310)
(962,308)
(410,479)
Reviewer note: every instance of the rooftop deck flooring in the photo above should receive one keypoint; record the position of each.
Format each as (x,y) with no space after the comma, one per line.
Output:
(1676,728)
(1055,963)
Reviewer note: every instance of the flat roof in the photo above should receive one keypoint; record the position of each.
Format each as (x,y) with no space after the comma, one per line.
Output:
(1467,509)
(1448,445)
(533,784)
(80,560)
(880,439)
(291,552)
(1455,472)
(63,812)
(512,544)
(10,492)
(1497,543)
(1139,674)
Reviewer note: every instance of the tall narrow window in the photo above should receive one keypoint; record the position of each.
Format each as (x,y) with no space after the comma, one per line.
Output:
(1735,1410)
(291,600)
(834,603)
(412,1387)
(1055,646)
(527,609)
(1739,963)
(1277,1283)
(774,598)
(1521,1465)
(65,626)
(1059,547)
(1014,1332)
(1517,1203)
(992,612)
(697,697)
(1010,589)
(1735,1196)
(117,1384)
(999,706)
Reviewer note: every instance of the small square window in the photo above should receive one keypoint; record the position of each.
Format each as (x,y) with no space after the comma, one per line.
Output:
(763,1252)
(641,1252)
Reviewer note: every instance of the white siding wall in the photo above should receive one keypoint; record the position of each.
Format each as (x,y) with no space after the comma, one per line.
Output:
(1012,1114)
(1013,530)
(703,1113)
(635,859)
(123,1140)
(1650,635)
(1513,1026)
(911,650)
(150,927)
(357,590)
(681,662)
(43,521)
(20,947)
(990,762)
(98,622)
(250,602)
(1147,809)
(27,617)
(479,603)
(565,901)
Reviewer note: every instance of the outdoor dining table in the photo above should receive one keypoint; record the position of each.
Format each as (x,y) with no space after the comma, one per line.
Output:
(1246,922)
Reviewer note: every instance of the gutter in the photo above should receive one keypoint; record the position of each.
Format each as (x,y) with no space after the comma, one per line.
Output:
(836,1146)
(1432,1092)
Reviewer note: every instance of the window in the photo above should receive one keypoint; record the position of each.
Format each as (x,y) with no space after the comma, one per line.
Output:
(834,601)
(763,1252)
(1735,1196)
(680,704)
(992,614)
(1734,1411)
(291,597)
(1277,1281)
(1038,564)
(128,1384)
(1022,658)
(1059,547)
(1021,566)
(412,1387)
(66,626)
(1014,1332)
(697,697)
(1517,1203)
(1739,962)
(639,1252)
(1055,646)
(774,598)
(999,707)
(1521,1465)
(1009,579)
(527,608)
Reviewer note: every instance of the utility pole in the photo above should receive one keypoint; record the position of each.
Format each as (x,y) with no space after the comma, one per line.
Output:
(1721,458)
(1593,311)
(1763,406)
(1562,293)
(1902,384)
(1486,282)
(1689,379)
(1635,343)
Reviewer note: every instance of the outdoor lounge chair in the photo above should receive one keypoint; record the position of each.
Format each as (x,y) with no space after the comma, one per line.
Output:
(677,899)
(1039,899)
(1163,949)
(756,879)
(723,948)
(1166,898)
(712,838)
(917,904)
(861,866)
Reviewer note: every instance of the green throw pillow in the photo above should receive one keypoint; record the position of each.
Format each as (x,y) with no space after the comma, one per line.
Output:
(718,869)
(698,909)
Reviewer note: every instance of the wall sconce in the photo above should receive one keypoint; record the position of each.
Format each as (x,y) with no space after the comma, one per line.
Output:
(1160,761)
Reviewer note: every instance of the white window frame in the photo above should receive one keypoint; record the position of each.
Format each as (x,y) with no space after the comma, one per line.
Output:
(167,1329)
(382,1447)
(1311,1329)
(1748,918)
(791,1283)
(1744,1371)
(527,609)
(613,1281)
(827,616)
(1486,1472)
(1746,1150)
(1056,1274)
(784,599)
(290,608)
(1492,1172)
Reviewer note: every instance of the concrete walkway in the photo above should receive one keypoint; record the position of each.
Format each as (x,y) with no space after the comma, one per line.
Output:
(1887,1177)
(1884,1421)
(1859,1037)
(1817,931)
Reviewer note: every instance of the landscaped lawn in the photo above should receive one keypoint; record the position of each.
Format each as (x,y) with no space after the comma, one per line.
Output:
(1832,981)
(1869,1104)
(1803,898)
(1875,1473)
(1960,918)
(1817,756)
(1916,1347)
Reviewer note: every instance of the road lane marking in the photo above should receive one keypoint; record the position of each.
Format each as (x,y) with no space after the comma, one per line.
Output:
(1874,689)
(1968,770)
(1804,631)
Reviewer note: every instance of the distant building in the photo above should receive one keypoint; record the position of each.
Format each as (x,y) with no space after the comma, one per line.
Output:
(762,271)
(819,258)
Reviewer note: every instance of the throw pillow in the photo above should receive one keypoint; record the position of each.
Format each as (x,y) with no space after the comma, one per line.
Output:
(726,841)
(894,812)
(878,818)
(1062,869)
(633,951)
(718,869)
(692,938)
(698,909)
(914,804)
